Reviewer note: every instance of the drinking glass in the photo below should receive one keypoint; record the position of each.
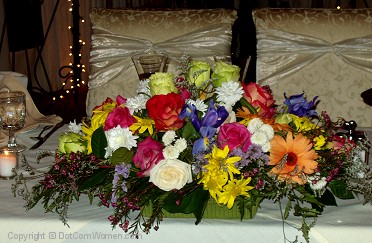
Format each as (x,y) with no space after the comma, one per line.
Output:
(12,116)
(147,64)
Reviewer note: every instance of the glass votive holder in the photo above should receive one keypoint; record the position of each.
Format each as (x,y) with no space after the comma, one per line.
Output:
(147,64)
(8,162)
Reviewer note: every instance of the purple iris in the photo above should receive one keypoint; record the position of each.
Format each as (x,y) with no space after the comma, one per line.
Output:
(298,105)
(207,126)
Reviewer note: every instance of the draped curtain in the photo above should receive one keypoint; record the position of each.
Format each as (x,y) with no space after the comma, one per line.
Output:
(55,52)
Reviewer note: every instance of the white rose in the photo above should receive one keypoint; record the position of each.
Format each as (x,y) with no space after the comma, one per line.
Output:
(171,174)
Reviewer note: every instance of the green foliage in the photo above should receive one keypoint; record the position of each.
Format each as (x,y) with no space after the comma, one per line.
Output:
(95,180)
(246,104)
(194,202)
(339,189)
(99,143)
(189,132)
(122,155)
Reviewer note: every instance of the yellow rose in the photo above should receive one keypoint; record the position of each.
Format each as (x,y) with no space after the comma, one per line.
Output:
(162,83)
(224,72)
(198,73)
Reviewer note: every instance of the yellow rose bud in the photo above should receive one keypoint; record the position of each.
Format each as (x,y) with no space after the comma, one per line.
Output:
(198,73)
(224,72)
(162,83)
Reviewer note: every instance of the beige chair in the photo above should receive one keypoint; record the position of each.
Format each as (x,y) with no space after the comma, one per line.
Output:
(119,34)
(324,52)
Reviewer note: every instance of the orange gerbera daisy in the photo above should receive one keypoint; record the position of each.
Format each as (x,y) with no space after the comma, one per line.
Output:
(292,158)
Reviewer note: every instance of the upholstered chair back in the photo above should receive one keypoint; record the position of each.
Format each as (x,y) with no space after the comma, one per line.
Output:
(118,34)
(323,52)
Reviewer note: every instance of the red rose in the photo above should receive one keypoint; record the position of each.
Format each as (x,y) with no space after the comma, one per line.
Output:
(149,153)
(234,135)
(119,116)
(260,98)
(164,110)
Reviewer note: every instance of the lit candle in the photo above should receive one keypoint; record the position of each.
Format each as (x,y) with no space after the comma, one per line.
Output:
(8,161)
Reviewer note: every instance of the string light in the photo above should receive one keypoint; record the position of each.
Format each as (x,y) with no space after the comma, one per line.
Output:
(75,67)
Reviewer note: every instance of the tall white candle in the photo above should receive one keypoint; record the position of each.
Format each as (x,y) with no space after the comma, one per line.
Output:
(8,161)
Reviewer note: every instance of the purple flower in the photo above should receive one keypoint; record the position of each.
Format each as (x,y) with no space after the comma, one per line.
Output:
(123,169)
(206,126)
(298,105)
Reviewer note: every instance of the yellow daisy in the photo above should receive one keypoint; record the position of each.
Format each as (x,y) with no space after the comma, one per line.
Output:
(142,124)
(218,161)
(233,189)
(213,182)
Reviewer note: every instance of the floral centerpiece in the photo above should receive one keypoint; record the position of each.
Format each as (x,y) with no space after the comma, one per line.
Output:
(200,137)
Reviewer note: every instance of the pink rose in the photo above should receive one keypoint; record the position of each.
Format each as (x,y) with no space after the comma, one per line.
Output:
(260,98)
(234,135)
(119,116)
(149,153)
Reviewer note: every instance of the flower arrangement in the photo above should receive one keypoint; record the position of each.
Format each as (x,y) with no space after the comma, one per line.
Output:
(200,137)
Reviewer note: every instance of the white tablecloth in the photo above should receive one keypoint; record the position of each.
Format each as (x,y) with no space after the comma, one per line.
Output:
(349,222)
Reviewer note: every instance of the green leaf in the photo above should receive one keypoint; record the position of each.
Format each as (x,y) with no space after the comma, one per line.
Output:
(328,198)
(99,143)
(305,230)
(94,180)
(245,103)
(122,155)
(189,132)
(195,202)
(288,208)
(339,189)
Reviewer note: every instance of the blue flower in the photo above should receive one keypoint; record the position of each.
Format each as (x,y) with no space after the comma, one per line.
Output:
(298,105)
(207,125)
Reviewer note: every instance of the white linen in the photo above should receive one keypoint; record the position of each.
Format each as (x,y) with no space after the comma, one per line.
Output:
(350,222)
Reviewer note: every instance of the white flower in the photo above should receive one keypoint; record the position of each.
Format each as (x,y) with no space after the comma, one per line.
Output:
(144,88)
(119,137)
(171,152)
(254,125)
(229,93)
(75,128)
(269,130)
(180,144)
(265,147)
(199,104)
(259,137)
(316,183)
(169,137)
(170,174)
(137,103)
